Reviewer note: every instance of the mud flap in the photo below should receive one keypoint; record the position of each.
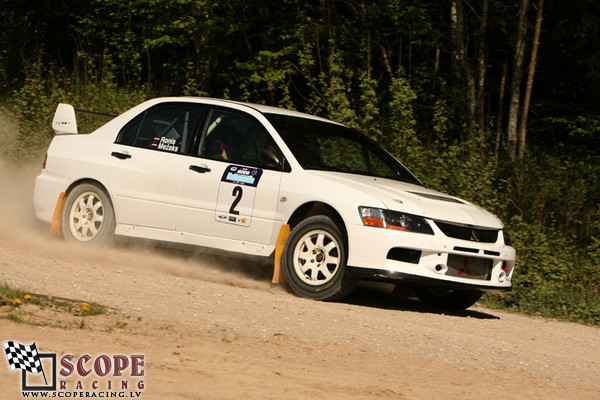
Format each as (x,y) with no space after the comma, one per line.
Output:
(57,216)
(278,276)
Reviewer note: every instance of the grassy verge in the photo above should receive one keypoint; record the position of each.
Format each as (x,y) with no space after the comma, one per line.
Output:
(573,304)
(14,298)
(20,306)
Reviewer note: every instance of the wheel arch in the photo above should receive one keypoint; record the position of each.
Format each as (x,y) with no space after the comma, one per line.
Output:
(94,182)
(90,181)
(314,208)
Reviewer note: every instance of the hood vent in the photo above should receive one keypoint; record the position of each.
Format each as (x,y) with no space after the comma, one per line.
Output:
(437,197)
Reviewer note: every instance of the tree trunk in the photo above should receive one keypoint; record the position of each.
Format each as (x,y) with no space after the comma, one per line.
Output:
(500,116)
(409,54)
(436,66)
(455,29)
(515,97)
(399,54)
(462,71)
(369,39)
(530,74)
(481,70)
(386,61)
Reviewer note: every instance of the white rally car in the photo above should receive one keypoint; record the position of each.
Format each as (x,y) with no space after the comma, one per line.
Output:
(329,203)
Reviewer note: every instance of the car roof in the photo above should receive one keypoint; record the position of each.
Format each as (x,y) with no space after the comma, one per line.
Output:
(264,109)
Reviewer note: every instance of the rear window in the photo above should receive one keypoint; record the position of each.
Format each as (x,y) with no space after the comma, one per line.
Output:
(167,127)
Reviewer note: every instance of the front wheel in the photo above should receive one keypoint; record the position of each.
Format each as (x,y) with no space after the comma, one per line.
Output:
(88,216)
(447,299)
(314,260)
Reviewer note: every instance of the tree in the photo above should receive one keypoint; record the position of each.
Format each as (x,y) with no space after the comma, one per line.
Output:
(515,97)
(530,74)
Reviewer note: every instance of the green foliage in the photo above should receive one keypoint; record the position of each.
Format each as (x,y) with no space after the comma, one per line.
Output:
(336,91)
(554,278)
(551,212)
(401,120)
(570,303)
(368,107)
(384,67)
(557,192)
(34,104)
(268,76)
(549,249)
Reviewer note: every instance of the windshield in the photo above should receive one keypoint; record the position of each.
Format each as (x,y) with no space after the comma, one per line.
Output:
(331,147)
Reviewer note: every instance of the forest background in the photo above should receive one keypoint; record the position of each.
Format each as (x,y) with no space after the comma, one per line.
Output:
(495,101)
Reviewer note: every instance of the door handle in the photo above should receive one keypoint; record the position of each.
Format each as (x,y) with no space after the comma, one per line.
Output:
(199,168)
(120,156)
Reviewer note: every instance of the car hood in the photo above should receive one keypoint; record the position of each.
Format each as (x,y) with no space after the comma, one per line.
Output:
(415,199)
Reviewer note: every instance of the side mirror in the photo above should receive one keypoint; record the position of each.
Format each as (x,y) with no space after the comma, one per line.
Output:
(64,121)
(270,157)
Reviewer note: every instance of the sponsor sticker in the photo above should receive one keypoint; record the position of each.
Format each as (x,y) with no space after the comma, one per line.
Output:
(242,175)
(165,143)
(237,191)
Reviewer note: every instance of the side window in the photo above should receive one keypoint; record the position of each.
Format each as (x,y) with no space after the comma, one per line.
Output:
(129,131)
(380,167)
(239,139)
(167,127)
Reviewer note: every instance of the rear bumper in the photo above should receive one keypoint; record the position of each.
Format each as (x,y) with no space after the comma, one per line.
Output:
(48,188)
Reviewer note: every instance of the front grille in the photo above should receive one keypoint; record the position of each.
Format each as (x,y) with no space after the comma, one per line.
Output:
(468,233)
(469,267)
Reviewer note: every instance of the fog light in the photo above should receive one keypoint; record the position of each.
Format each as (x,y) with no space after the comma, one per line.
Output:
(502,276)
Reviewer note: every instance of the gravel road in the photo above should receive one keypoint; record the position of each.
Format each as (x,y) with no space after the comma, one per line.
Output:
(213,327)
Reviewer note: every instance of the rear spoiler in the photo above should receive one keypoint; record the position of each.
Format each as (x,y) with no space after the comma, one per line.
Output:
(64,121)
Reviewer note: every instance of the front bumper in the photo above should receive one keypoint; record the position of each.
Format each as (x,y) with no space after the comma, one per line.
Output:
(430,259)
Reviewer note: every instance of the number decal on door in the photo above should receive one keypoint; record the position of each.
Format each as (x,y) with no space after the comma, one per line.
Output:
(237,193)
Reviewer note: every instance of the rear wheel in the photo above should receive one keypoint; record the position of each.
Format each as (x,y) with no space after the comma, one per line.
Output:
(88,216)
(447,299)
(314,260)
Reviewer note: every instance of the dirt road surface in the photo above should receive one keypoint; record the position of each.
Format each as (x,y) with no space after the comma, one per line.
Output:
(213,327)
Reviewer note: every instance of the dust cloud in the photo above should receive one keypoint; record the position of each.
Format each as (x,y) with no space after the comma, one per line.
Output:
(20,229)
(16,179)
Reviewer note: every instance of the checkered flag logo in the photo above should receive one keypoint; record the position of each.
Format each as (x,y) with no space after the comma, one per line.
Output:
(23,357)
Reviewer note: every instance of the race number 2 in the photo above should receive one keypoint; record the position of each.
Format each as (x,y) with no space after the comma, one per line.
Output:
(237,191)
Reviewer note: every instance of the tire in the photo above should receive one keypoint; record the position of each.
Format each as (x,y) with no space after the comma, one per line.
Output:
(88,216)
(314,260)
(447,299)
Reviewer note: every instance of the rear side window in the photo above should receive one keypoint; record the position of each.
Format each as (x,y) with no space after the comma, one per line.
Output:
(167,127)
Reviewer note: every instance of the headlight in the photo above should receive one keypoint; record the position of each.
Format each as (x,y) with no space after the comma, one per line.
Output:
(394,220)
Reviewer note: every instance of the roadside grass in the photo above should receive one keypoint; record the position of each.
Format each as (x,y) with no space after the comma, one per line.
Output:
(20,306)
(572,304)
(14,298)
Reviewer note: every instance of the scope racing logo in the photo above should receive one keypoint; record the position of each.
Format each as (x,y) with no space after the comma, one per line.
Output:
(103,376)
